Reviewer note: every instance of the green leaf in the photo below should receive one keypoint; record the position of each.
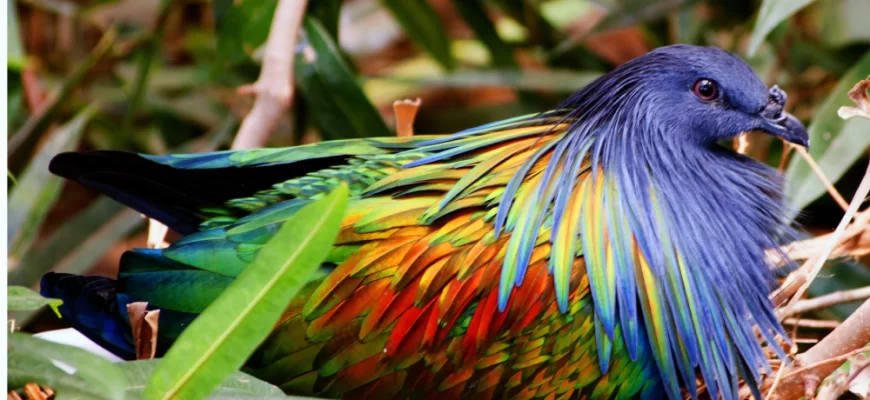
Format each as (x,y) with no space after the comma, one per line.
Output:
(242,28)
(15,58)
(561,81)
(78,243)
(37,189)
(238,384)
(33,360)
(328,13)
(338,105)
(474,13)
(835,143)
(421,23)
(772,13)
(219,341)
(25,138)
(21,298)
(851,22)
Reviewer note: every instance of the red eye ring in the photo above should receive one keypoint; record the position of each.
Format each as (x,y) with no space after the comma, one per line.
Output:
(706,90)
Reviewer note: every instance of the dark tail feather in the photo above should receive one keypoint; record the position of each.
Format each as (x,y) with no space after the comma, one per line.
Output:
(170,195)
(90,305)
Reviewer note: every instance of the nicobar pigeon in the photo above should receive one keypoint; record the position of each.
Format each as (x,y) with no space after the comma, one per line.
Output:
(609,248)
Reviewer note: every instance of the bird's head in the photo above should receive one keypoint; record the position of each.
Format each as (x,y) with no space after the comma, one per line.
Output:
(702,93)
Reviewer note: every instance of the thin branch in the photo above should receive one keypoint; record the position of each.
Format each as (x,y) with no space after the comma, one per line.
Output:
(274,86)
(820,360)
(812,323)
(157,234)
(821,175)
(786,150)
(741,143)
(818,262)
(828,300)
(853,243)
(840,382)
(406,112)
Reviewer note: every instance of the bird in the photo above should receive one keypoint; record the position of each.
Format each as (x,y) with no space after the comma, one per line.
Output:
(611,247)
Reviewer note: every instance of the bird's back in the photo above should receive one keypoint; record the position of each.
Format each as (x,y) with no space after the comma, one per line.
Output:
(408,302)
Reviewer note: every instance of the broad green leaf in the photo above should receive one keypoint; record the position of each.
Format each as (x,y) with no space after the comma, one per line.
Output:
(561,81)
(474,14)
(34,360)
(421,23)
(851,21)
(219,341)
(338,105)
(239,384)
(20,298)
(771,14)
(835,143)
(37,188)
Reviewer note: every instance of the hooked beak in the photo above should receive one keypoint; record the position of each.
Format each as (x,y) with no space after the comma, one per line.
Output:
(779,123)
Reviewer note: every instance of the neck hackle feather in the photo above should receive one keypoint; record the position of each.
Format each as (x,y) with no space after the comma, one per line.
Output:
(673,234)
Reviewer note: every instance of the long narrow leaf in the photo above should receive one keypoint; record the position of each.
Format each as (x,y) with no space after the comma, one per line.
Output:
(219,341)
(772,13)
(474,13)
(28,135)
(37,189)
(338,105)
(421,23)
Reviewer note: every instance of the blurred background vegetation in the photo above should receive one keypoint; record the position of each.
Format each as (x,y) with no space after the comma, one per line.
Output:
(156,77)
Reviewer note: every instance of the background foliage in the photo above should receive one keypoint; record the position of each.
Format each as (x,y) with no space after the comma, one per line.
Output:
(156,76)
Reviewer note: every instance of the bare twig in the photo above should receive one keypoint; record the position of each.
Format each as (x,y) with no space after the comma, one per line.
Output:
(406,112)
(839,382)
(828,300)
(855,242)
(157,234)
(274,86)
(821,175)
(812,323)
(823,358)
(818,262)
(741,143)
(786,150)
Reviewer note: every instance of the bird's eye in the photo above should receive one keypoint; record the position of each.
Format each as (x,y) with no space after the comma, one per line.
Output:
(706,90)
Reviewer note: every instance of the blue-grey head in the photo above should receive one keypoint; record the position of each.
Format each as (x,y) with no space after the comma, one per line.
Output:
(704,94)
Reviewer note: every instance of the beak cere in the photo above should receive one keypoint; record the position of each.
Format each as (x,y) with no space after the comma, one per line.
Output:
(780,123)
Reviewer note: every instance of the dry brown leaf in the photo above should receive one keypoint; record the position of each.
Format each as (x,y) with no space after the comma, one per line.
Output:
(143,322)
(858,94)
